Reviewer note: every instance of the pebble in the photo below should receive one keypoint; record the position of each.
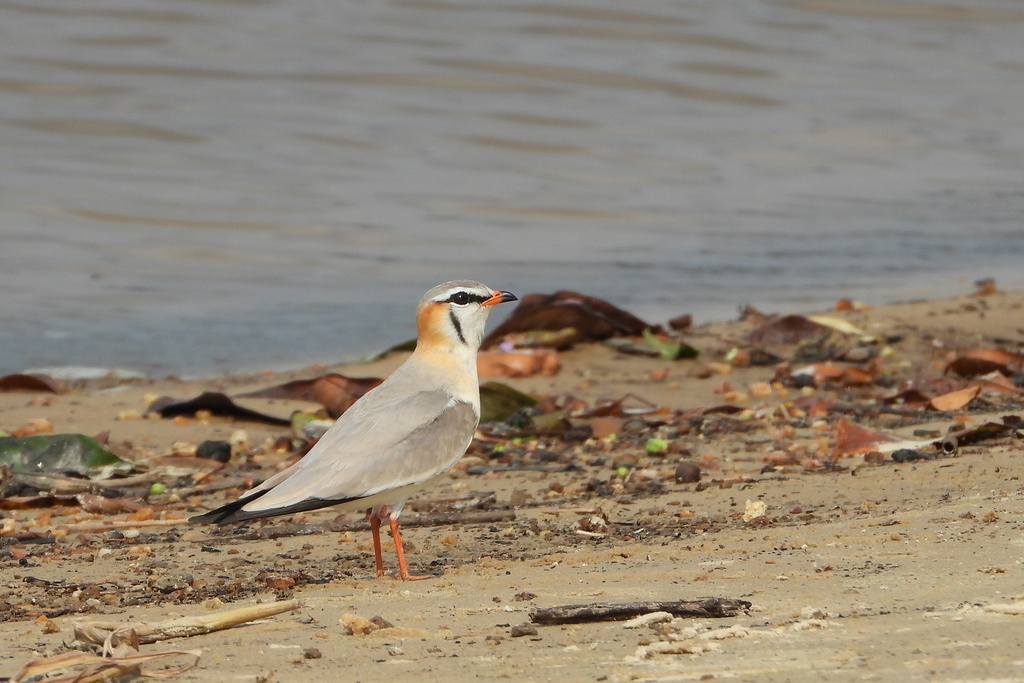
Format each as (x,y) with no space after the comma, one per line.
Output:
(520,630)
(687,473)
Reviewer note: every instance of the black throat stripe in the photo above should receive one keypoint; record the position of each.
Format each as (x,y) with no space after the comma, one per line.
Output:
(457,325)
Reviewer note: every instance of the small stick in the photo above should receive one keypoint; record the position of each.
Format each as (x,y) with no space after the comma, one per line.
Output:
(99,632)
(577,614)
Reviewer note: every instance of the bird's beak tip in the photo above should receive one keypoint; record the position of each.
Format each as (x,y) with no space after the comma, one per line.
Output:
(500,297)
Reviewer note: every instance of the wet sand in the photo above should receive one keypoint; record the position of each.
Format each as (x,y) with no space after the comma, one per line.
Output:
(875,571)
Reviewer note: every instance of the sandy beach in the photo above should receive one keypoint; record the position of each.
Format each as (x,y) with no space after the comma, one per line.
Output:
(856,565)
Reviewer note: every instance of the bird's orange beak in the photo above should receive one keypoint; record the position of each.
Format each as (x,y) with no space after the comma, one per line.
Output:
(499,298)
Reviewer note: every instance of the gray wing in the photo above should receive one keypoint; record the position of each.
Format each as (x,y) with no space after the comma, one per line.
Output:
(377,445)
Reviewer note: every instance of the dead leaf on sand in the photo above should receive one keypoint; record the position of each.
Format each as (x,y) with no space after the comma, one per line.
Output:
(787,329)
(593,319)
(35,382)
(954,400)
(336,393)
(852,439)
(984,361)
(213,402)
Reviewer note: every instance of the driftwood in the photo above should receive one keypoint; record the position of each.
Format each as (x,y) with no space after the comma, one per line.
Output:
(577,614)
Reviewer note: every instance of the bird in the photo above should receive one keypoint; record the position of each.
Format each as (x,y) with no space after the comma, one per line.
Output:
(397,438)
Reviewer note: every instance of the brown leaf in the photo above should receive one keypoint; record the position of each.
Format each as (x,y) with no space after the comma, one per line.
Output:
(954,400)
(911,396)
(987,430)
(91,502)
(996,383)
(603,427)
(852,439)
(214,402)
(787,329)
(593,319)
(984,361)
(31,382)
(334,392)
(337,393)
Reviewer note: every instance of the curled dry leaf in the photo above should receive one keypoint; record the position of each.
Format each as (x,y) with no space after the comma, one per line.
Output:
(996,383)
(984,361)
(787,329)
(215,403)
(90,667)
(593,319)
(36,382)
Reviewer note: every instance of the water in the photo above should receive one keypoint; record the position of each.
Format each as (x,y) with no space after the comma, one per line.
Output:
(200,186)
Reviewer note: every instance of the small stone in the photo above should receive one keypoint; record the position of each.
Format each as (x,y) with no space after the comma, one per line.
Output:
(214,450)
(312,653)
(381,622)
(687,473)
(520,630)
(395,650)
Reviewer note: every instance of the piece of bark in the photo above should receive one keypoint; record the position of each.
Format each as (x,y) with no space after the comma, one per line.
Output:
(602,611)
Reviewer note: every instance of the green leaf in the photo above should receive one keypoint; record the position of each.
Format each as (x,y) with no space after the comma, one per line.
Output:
(75,454)
(498,402)
(670,350)
(656,445)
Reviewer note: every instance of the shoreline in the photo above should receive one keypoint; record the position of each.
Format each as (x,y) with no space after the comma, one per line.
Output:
(862,568)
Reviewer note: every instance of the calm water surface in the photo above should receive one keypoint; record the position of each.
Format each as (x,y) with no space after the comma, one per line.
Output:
(196,186)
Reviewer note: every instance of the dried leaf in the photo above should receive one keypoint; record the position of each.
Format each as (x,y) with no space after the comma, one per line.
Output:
(838,324)
(95,668)
(215,403)
(852,439)
(984,361)
(787,329)
(498,402)
(996,383)
(334,392)
(954,400)
(101,505)
(987,430)
(594,319)
(31,382)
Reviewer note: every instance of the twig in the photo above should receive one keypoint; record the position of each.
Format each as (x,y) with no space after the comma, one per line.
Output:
(100,633)
(92,527)
(576,614)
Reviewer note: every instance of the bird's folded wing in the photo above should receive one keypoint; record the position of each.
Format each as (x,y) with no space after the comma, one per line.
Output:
(376,446)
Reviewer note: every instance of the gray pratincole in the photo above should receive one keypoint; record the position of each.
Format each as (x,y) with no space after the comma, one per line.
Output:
(397,438)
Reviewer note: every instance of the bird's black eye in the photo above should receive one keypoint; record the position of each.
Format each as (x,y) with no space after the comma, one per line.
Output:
(460,298)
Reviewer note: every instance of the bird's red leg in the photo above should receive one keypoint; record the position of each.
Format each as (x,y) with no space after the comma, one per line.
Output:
(403,566)
(375,530)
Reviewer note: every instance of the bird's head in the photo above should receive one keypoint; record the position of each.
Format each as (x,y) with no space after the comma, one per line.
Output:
(453,315)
